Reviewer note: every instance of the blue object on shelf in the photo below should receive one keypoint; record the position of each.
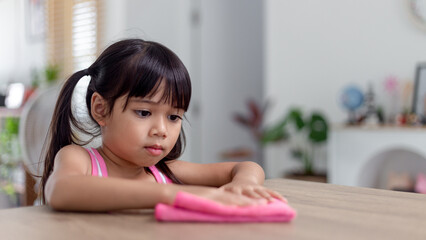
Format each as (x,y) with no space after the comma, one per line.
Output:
(352,98)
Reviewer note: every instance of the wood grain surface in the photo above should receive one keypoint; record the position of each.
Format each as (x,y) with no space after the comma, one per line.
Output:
(325,211)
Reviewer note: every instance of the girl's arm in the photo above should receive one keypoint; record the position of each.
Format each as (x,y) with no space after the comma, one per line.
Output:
(71,187)
(247,179)
(242,178)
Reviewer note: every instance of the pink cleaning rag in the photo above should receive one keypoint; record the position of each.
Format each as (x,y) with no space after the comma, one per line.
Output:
(191,208)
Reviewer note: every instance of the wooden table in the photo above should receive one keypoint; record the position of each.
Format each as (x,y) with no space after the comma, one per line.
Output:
(325,211)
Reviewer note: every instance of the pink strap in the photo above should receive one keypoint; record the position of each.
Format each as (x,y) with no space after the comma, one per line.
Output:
(98,163)
(94,167)
(159,177)
(99,167)
(101,162)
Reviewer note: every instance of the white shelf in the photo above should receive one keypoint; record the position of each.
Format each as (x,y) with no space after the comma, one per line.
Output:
(7,112)
(357,155)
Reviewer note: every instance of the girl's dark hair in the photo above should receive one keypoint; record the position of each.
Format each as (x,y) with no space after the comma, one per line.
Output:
(134,67)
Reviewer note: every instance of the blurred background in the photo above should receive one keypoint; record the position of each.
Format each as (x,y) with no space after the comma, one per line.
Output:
(329,90)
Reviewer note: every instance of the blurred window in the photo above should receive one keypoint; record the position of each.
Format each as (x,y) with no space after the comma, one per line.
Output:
(73,33)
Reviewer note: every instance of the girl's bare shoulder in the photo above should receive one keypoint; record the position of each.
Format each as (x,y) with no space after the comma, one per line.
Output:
(73,158)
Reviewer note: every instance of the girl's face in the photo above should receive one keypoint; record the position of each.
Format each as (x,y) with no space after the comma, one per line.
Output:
(145,132)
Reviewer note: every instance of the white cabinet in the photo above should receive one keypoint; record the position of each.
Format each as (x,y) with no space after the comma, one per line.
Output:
(361,156)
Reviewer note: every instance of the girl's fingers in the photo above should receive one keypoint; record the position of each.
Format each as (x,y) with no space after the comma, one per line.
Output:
(277,195)
(232,189)
(256,193)
(265,194)
(242,200)
(253,194)
(231,198)
(270,194)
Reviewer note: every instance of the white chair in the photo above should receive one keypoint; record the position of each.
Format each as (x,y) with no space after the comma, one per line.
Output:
(34,124)
(33,127)
(35,120)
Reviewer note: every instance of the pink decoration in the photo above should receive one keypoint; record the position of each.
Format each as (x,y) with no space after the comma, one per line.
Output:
(391,84)
(420,184)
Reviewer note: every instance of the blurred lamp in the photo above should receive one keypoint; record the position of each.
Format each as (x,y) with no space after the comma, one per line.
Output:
(15,95)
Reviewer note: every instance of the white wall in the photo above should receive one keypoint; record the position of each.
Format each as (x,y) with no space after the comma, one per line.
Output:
(19,53)
(291,52)
(114,13)
(164,21)
(231,72)
(313,49)
(222,51)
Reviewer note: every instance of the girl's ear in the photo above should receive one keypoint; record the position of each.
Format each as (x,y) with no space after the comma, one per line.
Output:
(99,109)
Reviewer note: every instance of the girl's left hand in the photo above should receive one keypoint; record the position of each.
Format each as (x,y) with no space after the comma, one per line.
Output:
(251,190)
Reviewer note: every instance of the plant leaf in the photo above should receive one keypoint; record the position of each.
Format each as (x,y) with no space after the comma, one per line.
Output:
(275,133)
(318,128)
(256,113)
(295,115)
(11,125)
(239,118)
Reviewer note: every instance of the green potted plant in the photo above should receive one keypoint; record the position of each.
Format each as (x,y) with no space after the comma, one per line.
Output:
(9,149)
(311,131)
(9,156)
(51,74)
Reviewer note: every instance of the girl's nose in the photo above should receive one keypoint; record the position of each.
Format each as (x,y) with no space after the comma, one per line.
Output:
(159,128)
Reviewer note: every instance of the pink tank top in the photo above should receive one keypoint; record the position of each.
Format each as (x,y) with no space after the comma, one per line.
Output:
(99,168)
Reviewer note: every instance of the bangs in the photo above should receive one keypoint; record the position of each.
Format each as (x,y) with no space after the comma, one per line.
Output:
(154,67)
(172,93)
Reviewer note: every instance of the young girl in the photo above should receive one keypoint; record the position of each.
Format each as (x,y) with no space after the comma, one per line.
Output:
(138,94)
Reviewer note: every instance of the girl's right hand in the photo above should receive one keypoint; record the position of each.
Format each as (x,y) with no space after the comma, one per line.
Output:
(223,197)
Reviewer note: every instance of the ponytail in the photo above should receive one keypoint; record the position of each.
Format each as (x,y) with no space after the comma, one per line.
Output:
(60,132)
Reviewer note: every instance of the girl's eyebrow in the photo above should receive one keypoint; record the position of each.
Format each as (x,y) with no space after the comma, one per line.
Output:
(140,100)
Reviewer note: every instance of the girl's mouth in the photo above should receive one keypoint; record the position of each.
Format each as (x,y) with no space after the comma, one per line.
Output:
(154,150)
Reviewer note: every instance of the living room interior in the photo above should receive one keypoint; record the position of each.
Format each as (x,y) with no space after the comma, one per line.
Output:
(330,88)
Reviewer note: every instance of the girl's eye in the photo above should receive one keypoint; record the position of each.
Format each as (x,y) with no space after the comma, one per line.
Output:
(175,118)
(143,113)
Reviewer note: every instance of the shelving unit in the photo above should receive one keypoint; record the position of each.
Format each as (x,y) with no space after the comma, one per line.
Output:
(364,156)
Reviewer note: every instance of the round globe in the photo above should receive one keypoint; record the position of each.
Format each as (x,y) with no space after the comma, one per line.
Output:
(352,98)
